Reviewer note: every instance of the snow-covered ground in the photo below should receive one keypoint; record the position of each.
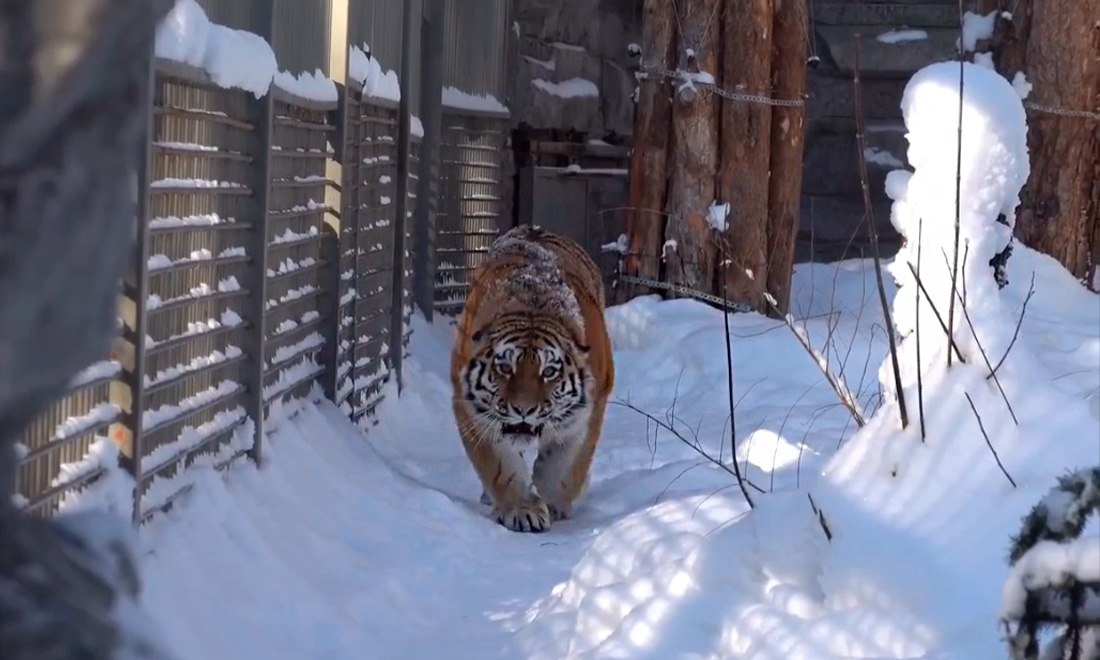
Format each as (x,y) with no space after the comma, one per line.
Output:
(345,546)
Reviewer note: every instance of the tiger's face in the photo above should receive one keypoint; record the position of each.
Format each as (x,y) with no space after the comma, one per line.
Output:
(526,379)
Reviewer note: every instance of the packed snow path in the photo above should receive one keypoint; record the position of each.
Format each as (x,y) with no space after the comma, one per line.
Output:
(375,546)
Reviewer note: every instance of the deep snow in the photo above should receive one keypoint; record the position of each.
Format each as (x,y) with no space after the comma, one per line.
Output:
(347,547)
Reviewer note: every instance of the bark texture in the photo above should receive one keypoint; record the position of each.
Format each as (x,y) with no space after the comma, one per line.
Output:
(1057,46)
(745,148)
(649,159)
(74,82)
(788,140)
(694,155)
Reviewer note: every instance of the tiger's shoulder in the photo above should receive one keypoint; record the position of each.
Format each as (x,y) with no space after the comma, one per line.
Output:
(554,257)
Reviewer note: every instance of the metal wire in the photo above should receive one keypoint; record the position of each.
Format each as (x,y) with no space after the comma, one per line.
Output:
(685,77)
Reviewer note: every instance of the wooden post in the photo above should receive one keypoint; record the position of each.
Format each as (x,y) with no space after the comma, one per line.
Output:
(1054,44)
(745,147)
(788,133)
(694,155)
(649,158)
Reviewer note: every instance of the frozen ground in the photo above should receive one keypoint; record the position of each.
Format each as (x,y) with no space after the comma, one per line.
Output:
(351,547)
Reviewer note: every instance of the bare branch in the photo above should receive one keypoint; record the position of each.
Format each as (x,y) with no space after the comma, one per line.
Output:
(876,257)
(671,428)
(950,338)
(989,443)
(1016,333)
(985,356)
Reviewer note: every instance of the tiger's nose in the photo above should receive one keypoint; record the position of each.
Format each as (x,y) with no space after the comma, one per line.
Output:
(526,412)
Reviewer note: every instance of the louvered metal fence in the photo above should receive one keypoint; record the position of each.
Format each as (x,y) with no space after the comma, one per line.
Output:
(261,279)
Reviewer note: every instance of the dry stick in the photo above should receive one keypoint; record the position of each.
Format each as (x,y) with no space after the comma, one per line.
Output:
(920,365)
(987,440)
(820,518)
(838,386)
(729,383)
(985,356)
(903,413)
(679,436)
(958,194)
(1019,324)
(950,338)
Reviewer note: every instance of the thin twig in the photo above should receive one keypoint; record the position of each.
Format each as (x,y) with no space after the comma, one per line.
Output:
(920,365)
(988,442)
(837,385)
(985,355)
(958,192)
(903,413)
(729,383)
(1016,333)
(950,338)
(820,519)
(679,436)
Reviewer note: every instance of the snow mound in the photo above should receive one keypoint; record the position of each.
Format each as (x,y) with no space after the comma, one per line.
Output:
(232,58)
(993,166)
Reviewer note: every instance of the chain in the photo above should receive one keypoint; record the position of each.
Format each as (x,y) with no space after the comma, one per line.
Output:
(684,291)
(1082,114)
(646,71)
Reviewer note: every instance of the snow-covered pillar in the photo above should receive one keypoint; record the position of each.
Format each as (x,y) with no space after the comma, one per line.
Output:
(261,114)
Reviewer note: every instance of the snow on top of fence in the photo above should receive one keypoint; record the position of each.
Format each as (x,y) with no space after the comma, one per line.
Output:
(460,100)
(365,69)
(232,58)
(314,86)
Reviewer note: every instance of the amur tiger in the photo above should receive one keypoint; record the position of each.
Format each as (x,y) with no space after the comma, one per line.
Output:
(531,368)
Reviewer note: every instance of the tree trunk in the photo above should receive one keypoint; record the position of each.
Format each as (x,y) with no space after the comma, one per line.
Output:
(745,148)
(788,133)
(693,161)
(649,158)
(1055,43)
(74,83)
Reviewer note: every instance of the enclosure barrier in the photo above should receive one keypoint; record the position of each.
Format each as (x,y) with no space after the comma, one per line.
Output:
(248,292)
(474,198)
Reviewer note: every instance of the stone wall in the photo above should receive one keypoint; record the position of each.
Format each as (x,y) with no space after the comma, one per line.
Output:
(573,67)
(574,70)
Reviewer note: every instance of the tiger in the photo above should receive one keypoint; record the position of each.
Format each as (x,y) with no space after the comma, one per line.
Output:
(532,369)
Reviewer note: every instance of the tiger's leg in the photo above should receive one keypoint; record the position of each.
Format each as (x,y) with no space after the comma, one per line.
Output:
(561,469)
(503,474)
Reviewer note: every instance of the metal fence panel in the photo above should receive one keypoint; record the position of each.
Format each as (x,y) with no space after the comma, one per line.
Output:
(374,255)
(195,366)
(475,200)
(301,144)
(300,34)
(477,33)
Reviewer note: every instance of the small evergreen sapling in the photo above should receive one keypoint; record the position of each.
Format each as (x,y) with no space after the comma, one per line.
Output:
(1054,579)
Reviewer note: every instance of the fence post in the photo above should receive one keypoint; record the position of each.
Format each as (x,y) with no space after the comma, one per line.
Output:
(427,193)
(331,249)
(335,196)
(129,346)
(404,123)
(261,113)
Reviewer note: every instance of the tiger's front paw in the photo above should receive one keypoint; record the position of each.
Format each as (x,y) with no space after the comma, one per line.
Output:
(531,515)
(559,511)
